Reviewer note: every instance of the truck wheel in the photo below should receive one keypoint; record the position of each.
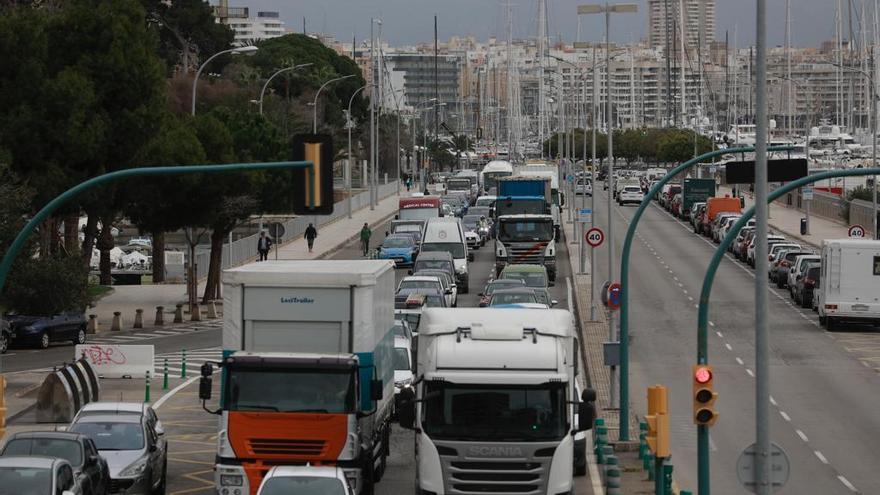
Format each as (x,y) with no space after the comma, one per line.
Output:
(823,320)
(833,324)
(581,469)
(369,482)
(4,342)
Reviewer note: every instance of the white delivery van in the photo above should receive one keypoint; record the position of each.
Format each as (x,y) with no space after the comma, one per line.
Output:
(446,234)
(850,282)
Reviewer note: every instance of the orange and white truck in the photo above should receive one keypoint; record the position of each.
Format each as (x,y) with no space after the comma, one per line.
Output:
(714,206)
(307,373)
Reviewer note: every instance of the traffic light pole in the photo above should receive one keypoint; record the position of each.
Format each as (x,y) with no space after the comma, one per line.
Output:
(624,272)
(28,229)
(709,279)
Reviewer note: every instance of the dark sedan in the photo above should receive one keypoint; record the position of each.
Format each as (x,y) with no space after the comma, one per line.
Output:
(40,331)
(89,468)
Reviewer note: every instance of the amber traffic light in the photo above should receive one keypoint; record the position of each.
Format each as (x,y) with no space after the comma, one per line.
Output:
(658,421)
(313,187)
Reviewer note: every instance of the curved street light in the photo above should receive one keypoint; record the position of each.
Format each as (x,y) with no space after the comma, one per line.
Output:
(350,169)
(315,103)
(263,91)
(242,50)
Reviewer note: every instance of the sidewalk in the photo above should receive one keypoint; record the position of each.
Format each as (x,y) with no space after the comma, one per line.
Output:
(787,220)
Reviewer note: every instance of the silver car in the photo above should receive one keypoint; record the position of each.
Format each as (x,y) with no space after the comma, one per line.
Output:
(37,476)
(136,454)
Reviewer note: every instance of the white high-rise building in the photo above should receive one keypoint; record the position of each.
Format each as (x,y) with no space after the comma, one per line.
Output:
(264,26)
(664,16)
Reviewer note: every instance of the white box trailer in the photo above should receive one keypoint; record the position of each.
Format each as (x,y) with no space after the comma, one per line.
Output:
(307,366)
(849,282)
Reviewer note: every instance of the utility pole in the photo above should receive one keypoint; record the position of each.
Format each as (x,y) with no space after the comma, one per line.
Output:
(373,95)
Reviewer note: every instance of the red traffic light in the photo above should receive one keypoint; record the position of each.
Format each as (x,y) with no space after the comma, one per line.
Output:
(702,375)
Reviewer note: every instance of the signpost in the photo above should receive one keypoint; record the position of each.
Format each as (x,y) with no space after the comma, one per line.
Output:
(807,194)
(856,232)
(585,215)
(779,468)
(595,237)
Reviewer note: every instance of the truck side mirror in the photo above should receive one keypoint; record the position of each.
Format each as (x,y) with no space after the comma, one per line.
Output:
(205,386)
(376,390)
(406,414)
(470,256)
(586,410)
(207,369)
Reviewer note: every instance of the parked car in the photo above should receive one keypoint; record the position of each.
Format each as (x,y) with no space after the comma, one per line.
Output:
(498,284)
(136,454)
(798,267)
(37,476)
(771,239)
(5,335)
(400,248)
(675,205)
(523,295)
(697,210)
(773,253)
(532,275)
(806,284)
(90,470)
(738,244)
(42,331)
(324,480)
(783,266)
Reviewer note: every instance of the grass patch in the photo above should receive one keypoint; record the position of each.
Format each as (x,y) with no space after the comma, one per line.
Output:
(96,291)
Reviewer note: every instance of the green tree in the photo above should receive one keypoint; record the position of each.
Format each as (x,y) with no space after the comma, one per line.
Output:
(628,144)
(187,31)
(679,145)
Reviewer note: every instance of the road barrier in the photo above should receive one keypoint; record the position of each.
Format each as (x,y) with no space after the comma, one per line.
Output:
(196,313)
(116,325)
(66,390)
(178,313)
(92,326)
(211,310)
(160,316)
(138,318)
(118,361)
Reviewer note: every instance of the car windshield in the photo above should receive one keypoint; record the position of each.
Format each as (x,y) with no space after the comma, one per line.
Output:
(397,242)
(109,435)
(532,279)
(542,296)
(444,265)
(25,481)
(398,329)
(519,297)
(295,390)
(520,231)
(470,221)
(494,413)
(434,301)
(418,284)
(401,359)
(499,285)
(65,448)
(456,249)
(407,227)
(302,485)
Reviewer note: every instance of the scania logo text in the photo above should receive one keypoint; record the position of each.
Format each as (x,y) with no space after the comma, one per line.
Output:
(495,451)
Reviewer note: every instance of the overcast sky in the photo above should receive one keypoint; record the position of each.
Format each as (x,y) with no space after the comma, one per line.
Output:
(411,21)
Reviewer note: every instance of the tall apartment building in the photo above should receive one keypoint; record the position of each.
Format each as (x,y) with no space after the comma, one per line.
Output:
(664,16)
(265,25)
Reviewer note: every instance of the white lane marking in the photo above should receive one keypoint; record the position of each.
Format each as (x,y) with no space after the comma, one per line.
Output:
(685,291)
(802,435)
(676,279)
(690,298)
(729,347)
(750,372)
(821,457)
(846,483)
(773,401)
(720,335)
(740,362)
(711,324)
(171,393)
(785,416)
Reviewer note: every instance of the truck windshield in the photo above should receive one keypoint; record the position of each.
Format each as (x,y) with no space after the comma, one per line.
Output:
(495,412)
(458,185)
(520,231)
(320,391)
(520,206)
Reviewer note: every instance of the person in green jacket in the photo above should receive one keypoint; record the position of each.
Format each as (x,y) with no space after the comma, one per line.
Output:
(365,238)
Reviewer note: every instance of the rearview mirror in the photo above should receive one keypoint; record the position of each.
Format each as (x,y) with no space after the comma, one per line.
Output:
(554,302)
(406,413)
(207,369)
(376,390)
(205,386)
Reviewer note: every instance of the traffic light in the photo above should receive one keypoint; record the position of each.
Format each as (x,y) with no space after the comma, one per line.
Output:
(313,188)
(658,421)
(704,396)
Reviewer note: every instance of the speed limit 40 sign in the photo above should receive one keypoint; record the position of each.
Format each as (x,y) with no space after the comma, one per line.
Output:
(857,232)
(594,237)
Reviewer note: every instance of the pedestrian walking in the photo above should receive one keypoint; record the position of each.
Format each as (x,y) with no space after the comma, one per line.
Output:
(310,235)
(264,244)
(366,233)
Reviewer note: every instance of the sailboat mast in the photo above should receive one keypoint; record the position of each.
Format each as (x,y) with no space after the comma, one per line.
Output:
(681,66)
(542,36)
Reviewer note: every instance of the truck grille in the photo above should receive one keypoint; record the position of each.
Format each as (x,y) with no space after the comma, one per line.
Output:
(270,446)
(469,475)
(529,254)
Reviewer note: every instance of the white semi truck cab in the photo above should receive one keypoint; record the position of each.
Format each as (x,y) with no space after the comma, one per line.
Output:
(494,402)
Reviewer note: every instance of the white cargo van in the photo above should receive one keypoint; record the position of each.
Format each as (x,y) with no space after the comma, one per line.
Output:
(446,234)
(850,287)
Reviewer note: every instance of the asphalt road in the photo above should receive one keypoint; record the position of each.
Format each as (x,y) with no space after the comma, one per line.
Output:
(825,392)
(400,476)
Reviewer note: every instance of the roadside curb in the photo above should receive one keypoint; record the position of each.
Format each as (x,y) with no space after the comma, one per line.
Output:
(341,246)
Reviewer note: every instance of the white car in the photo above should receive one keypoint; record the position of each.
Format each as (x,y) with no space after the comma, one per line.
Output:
(283,480)
(630,194)
(750,253)
(584,186)
(431,282)
(403,365)
(797,269)
(473,239)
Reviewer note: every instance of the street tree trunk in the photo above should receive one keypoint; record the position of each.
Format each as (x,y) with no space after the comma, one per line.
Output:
(105,244)
(212,285)
(89,233)
(71,234)
(158,257)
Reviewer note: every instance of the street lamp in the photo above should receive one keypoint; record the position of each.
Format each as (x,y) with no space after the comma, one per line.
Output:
(242,50)
(418,112)
(263,91)
(350,101)
(608,9)
(315,103)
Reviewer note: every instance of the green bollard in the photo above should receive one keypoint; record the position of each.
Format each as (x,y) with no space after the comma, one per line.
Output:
(183,365)
(165,376)
(684,492)
(612,476)
(667,479)
(147,389)
(643,446)
(649,466)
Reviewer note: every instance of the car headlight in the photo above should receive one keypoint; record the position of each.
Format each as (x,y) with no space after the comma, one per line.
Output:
(461,269)
(135,469)
(231,480)
(407,382)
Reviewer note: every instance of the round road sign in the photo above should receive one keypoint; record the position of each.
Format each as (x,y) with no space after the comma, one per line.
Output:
(856,232)
(594,237)
(780,467)
(614,296)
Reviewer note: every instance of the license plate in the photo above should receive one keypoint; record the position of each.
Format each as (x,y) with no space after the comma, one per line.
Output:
(860,307)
